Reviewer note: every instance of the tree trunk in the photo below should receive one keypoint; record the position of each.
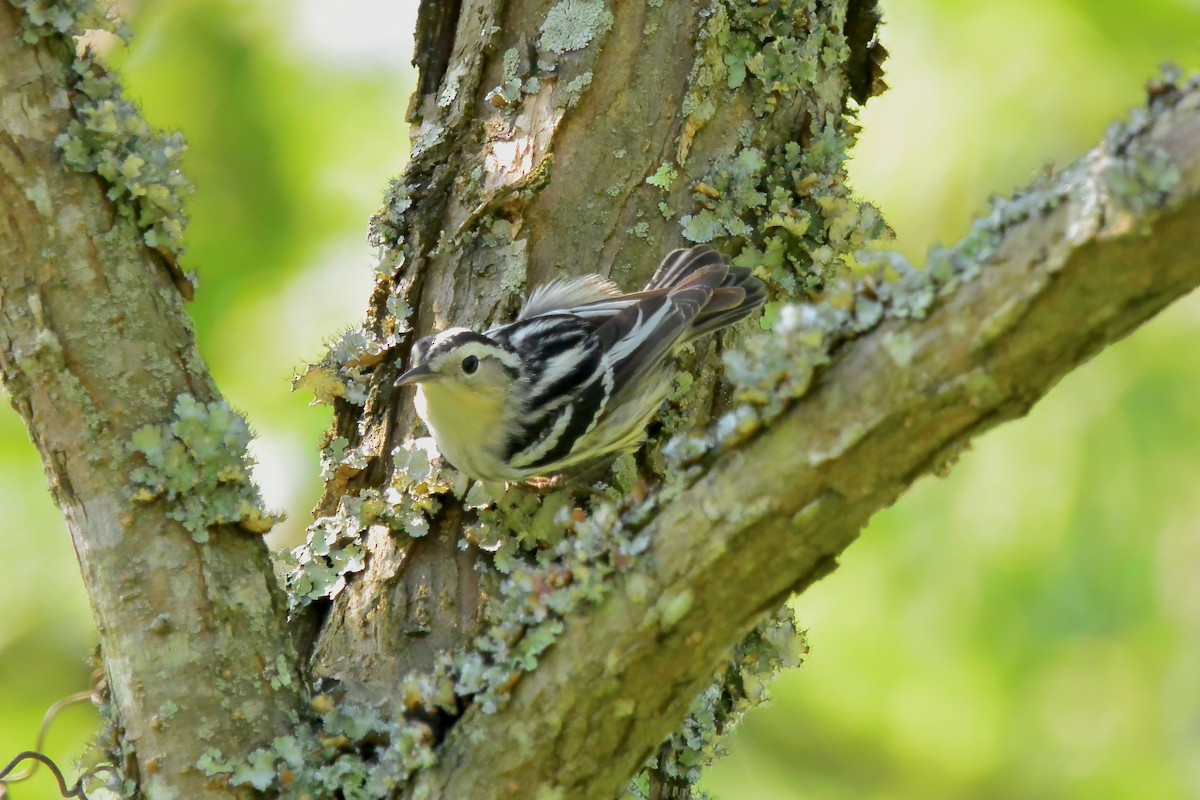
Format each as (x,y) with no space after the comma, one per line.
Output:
(95,347)
(561,141)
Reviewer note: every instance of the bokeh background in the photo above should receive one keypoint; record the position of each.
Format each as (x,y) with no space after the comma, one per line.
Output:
(1028,627)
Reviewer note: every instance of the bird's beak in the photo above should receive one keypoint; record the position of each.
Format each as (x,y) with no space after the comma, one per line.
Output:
(416,375)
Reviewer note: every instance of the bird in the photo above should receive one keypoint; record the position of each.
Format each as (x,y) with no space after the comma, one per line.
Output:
(580,372)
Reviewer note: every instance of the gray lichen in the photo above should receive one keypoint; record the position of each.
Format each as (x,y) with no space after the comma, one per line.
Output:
(775,644)
(108,135)
(200,465)
(707,73)
(61,18)
(537,594)
(512,81)
(388,222)
(573,24)
(772,370)
(1140,175)
(334,548)
(110,138)
(420,482)
(768,372)
(344,372)
(1143,180)
(789,203)
(663,177)
(332,552)
(552,557)
(802,227)
(575,89)
(513,260)
(354,751)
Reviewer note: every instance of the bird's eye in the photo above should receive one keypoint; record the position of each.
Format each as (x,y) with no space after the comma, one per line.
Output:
(470,364)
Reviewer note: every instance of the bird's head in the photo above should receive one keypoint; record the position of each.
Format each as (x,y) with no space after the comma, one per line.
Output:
(460,365)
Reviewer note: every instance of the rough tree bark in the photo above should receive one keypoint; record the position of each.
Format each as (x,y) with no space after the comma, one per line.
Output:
(550,139)
(532,152)
(94,346)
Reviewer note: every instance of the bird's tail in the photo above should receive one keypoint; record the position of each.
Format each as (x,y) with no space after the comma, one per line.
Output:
(736,293)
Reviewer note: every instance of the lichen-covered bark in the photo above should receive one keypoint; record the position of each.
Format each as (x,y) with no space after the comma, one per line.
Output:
(95,345)
(768,517)
(575,137)
(550,139)
(578,136)
(563,139)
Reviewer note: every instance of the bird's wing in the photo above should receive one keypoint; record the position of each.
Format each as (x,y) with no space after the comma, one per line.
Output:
(595,298)
(564,294)
(637,339)
(677,265)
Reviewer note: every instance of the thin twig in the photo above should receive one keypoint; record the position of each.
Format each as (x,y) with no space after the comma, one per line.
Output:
(48,718)
(74,791)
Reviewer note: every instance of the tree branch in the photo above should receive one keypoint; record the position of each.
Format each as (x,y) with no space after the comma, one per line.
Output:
(1068,268)
(94,347)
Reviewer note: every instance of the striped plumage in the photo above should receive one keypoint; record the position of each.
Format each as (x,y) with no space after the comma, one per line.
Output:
(580,372)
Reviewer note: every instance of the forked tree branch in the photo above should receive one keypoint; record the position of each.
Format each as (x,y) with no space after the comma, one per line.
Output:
(1093,260)
(95,347)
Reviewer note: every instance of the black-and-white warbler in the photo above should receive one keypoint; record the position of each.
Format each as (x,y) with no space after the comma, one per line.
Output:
(580,372)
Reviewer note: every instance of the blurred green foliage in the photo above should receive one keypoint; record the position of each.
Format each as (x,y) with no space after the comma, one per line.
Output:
(1027,627)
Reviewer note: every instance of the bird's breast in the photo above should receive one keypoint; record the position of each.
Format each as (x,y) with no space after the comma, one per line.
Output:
(469,429)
